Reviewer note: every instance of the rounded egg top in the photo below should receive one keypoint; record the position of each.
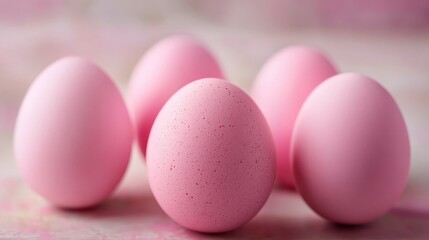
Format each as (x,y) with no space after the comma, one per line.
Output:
(210,157)
(350,150)
(165,68)
(73,134)
(280,89)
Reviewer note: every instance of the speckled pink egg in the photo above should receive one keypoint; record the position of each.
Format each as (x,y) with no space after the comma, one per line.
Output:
(280,89)
(73,134)
(210,157)
(350,150)
(165,68)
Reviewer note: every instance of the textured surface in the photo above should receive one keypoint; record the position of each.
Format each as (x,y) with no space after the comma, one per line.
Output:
(115,35)
(210,157)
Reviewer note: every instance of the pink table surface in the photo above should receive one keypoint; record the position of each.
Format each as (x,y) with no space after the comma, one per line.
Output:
(399,60)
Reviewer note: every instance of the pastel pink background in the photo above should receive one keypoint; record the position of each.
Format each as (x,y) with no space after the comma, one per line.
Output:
(387,40)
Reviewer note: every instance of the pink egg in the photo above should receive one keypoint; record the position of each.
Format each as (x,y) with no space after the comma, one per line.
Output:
(73,134)
(280,89)
(350,150)
(210,157)
(165,68)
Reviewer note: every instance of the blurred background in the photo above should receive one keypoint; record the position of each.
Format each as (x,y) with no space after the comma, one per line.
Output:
(385,39)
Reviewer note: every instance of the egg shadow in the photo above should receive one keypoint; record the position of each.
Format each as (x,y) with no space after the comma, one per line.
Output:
(120,206)
(282,187)
(129,208)
(391,226)
(132,199)
(138,208)
(256,229)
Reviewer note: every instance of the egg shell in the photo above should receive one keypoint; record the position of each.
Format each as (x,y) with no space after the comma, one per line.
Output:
(280,89)
(164,69)
(351,152)
(73,134)
(210,157)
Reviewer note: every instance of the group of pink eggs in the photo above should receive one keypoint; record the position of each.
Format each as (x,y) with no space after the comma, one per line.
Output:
(212,151)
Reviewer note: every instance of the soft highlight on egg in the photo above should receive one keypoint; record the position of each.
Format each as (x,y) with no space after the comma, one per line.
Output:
(350,150)
(73,134)
(166,67)
(280,89)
